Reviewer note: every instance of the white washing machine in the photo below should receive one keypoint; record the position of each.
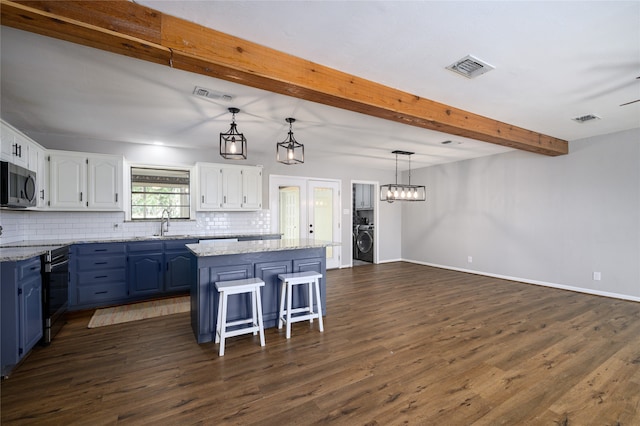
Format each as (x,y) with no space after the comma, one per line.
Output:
(364,243)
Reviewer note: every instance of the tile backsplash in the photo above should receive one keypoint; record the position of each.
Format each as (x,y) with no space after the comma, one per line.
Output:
(42,225)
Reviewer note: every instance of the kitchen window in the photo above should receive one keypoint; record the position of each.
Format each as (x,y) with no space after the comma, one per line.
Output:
(154,190)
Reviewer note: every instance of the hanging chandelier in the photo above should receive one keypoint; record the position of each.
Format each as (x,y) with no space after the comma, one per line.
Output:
(233,145)
(402,192)
(290,151)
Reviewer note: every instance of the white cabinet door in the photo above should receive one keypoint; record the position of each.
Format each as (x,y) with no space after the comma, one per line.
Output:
(210,187)
(252,188)
(104,183)
(67,181)
(38,156)
(363,196)
(232,188)
(14,147)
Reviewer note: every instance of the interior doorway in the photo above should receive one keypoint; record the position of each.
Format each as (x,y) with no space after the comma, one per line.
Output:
(307,208)
(364,203)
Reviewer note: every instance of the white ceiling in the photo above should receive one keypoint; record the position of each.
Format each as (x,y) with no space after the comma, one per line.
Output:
(553,61)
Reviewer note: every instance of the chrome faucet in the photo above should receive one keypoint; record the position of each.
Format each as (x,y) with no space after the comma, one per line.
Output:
(164,221)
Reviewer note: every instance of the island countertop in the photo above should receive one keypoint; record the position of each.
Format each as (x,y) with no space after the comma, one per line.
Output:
(240,247)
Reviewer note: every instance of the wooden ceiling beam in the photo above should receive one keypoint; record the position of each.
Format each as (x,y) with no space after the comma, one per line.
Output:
(129,29)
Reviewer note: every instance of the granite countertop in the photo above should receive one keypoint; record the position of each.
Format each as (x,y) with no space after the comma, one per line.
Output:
(22,250)
(240,247)
(13,254)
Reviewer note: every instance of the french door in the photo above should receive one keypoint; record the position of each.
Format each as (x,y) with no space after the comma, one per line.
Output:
(307,208)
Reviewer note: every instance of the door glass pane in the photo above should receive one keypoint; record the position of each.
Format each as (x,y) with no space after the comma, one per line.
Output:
(289,204)
(323,215)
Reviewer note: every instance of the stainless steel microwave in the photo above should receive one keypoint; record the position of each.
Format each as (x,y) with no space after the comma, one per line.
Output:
(17,186)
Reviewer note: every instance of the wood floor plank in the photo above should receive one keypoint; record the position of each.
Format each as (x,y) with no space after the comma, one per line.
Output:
(403,344)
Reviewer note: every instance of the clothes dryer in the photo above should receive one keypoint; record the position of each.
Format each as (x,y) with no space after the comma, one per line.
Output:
(364,243)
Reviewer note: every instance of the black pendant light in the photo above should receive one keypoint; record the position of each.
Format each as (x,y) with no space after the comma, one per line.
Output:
(402,192)
(233,145)
(290,151)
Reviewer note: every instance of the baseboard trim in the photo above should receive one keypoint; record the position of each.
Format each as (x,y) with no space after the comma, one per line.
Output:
(528,281)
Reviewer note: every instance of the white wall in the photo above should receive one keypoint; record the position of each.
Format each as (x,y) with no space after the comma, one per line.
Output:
(545,220)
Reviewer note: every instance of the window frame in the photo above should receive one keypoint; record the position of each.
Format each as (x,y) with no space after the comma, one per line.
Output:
(192,189)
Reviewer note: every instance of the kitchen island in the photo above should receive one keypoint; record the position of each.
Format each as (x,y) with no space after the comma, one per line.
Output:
(264,259)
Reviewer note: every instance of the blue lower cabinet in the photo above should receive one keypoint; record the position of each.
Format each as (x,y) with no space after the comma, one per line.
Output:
(98,275)
(21,310)
(206,271)
(158,268)
(146,273)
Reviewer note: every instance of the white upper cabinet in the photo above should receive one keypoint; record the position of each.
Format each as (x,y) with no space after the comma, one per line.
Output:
(81,181)
(104,183)
(364,199)
(228,187)
(18,148)
(210,186)
(38,156)
(67,181)
(232,188)
(252,188)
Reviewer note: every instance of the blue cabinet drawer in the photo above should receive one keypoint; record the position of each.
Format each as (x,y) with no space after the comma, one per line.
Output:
(151,246)
(28,268)
(101,276)
(178,244)
(102,292)
(92,263)
(101,248)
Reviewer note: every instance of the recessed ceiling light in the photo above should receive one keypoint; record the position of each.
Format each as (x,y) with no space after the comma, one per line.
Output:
(585,118)
(470,67)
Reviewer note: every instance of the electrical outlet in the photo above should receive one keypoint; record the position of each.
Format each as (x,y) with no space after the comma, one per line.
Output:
(469,259)
(597,276)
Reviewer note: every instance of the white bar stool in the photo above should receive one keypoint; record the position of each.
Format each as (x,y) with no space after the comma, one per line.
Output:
(227,288)
(311,279)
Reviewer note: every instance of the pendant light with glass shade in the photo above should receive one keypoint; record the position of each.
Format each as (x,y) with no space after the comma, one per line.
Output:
(402,192)
(290,151)
(233,145)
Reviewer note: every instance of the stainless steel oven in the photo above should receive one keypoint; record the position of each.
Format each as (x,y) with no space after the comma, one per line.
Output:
(55,291)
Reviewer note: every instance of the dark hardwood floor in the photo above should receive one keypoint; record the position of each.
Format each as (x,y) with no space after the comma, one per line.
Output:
(403,344)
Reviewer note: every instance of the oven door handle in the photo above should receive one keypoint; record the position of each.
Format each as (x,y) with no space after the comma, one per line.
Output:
(49,267)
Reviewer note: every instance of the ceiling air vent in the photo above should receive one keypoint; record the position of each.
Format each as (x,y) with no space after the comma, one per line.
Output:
(470,67)
(212,94)
(585,118)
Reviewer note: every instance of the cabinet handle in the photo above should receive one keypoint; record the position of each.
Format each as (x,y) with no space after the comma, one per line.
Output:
(99,263)
(101,276)
(42,194)
(203,198)
(245,199)
(116,197)
(101,292)
(20,151)
(81,196)
(225,199)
